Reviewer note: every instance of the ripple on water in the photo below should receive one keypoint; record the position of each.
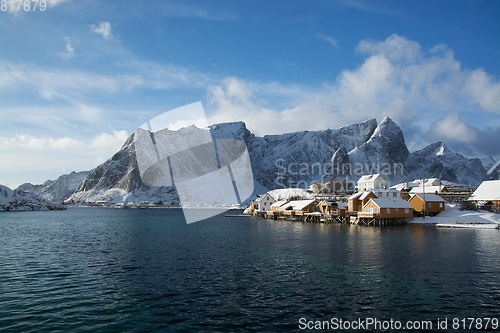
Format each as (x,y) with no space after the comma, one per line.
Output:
(110,270)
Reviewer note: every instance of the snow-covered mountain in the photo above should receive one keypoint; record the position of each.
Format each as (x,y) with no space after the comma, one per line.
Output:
(288,160)
(15,200)
(438,161)
(385,152)
(58,190)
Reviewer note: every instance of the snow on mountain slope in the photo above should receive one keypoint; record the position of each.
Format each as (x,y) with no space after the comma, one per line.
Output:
(20,200)
(289,160)
(438,161)
(385,152)
(58,190)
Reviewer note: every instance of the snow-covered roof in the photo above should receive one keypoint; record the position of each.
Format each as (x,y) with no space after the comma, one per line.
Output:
(405,185)
(389,203)
(427,189)
(487,191)
(259,199)
(369,178)
(385,190)
(360,195)
(329,203)
(428,197)
(365,194)
(297,204)
(279,203)
(355,195)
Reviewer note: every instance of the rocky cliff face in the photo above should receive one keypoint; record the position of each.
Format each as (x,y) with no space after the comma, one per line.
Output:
(19,200)
(437,160)
(58,190)
(290,160)
(385,152)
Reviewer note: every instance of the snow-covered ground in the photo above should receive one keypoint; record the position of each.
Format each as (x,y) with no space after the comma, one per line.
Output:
(452,215)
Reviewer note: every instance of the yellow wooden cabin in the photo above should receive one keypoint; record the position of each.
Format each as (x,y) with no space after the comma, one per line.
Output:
(387,208)
(433,203)
(358,200)
(299,207)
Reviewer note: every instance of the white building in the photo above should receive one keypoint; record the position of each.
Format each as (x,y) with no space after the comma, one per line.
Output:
(265,202)
(370,182)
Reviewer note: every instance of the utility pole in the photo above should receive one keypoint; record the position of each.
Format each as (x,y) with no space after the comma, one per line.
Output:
(423,187)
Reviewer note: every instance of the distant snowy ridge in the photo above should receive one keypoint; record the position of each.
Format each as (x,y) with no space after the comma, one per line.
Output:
(58,190)
(288,160)
(20,200)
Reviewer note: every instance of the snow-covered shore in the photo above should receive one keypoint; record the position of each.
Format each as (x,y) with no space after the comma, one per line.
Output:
(452,215)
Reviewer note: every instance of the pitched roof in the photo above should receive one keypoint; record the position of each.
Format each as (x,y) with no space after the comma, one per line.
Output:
(355,195)
(259,199)
(360,195)
(428,197)
(487,191)
(298,204)
(369,178)
(427,189)
(365,194)
(389,203)
(279,203)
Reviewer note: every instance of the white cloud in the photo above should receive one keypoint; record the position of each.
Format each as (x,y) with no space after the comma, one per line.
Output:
(75,84)
(25,141)
(69,51)
(102,141)
(397,79)
(453,128)
(105,140)
(234,101)
(103,29)
(482,89)
(53,3)
(181,9)
(35,154)
(329,39)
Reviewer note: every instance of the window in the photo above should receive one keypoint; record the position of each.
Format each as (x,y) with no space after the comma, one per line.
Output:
(396,209)
(376,210)
(429,204)
(394,194)
(407,210)
(388,210)
(440,205)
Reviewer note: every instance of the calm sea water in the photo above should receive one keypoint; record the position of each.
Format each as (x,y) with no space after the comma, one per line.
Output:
(100,270)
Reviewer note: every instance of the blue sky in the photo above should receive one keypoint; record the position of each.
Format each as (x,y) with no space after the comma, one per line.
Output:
(79,77)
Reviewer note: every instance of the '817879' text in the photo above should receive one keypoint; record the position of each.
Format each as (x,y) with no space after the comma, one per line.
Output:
(23,5)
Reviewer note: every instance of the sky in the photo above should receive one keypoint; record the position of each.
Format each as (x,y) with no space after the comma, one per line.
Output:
(77,78)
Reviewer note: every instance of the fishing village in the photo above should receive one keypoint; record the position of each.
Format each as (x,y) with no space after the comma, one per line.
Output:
(372,202)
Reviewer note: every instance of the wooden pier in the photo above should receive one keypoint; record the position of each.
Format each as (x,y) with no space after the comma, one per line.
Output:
(304,217)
